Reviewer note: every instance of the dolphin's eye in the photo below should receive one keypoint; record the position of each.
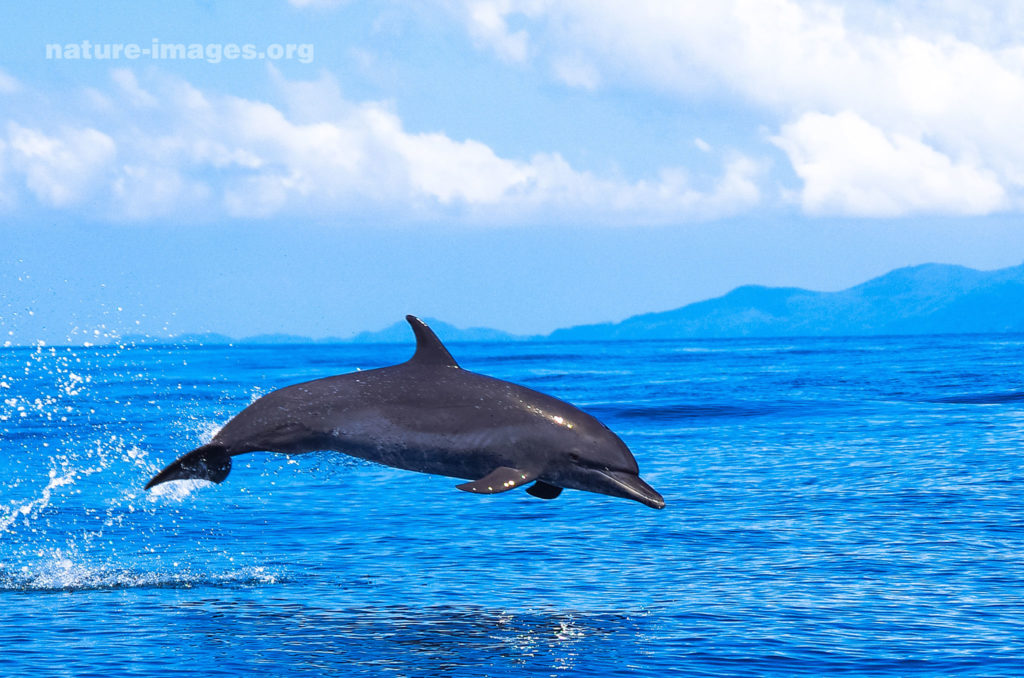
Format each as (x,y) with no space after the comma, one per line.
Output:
(574,458)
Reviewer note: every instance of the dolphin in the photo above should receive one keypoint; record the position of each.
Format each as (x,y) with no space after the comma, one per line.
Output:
(429,415)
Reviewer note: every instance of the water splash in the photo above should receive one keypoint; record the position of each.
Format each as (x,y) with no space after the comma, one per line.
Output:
(28,509)
(73,514)
(177,491)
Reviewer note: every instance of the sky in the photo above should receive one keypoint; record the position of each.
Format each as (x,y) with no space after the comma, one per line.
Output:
(323,167)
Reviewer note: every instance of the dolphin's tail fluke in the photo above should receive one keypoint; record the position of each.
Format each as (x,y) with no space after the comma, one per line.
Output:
(209,462)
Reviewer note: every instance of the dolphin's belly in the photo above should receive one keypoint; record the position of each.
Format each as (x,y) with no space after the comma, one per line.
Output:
(470,453)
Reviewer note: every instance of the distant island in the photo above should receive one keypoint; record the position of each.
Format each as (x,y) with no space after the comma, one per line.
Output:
(926,299)
(398,333)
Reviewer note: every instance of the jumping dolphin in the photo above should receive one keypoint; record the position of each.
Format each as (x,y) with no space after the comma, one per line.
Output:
(430,415)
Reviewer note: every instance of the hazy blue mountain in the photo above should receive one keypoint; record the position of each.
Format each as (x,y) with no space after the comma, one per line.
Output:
(203,339)
(927,299)
(398,333)
(277,339)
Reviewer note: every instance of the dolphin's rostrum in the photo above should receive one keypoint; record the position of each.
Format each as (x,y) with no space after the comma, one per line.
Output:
(431,416)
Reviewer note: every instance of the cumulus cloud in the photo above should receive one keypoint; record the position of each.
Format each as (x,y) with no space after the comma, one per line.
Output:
(551,184)
(930,77)
(60,169)
(487,25)
(164,148)
(148,190)
(851,167)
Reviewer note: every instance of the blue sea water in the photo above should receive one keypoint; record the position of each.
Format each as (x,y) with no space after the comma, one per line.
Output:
(834,506)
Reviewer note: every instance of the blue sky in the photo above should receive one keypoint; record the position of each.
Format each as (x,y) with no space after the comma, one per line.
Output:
(519,164)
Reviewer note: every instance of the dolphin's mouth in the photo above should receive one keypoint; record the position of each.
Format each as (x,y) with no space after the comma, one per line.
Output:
(630,486)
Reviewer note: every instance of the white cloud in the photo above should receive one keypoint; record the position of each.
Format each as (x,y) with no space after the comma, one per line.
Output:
(310,101)
(487,25)
(449,170)
(8,84)
(167,148)
(145,191)
(6,192)
(62,169)
(949,72)
(556,184)
(993,23)
(315,3)
(851,167)
(129,85)
(575,71)
(365,154)
(786,54)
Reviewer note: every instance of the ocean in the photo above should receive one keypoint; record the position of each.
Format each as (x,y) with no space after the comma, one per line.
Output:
(834,506)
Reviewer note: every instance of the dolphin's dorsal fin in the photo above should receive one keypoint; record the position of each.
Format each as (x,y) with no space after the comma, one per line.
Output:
(429,349)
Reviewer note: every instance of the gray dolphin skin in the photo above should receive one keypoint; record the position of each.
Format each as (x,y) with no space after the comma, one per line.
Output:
(430,415)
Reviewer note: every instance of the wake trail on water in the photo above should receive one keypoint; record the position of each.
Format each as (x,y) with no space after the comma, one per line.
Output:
(999,398)
(61,572)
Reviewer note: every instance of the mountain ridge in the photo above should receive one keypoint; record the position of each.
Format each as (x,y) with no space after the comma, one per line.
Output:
(922,299)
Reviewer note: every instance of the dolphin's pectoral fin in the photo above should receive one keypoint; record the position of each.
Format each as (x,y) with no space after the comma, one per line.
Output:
(543,490)
(501,479)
